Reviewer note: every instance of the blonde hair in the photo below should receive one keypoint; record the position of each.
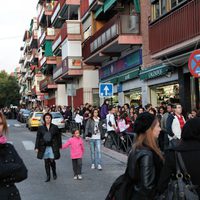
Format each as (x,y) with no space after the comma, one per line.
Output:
(147,139)
(5,126)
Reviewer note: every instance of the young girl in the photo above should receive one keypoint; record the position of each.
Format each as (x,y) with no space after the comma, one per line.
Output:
(77,150)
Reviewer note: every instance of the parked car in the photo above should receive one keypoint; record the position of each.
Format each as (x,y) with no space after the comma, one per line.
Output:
(34,120)
(20,114)
(24,116)
(58,120)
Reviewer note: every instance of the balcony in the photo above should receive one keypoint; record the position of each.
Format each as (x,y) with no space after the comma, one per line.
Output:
(120,33)
(47,84)
(47,10)
(48,34)
(68,68)
(175,30)
(47,61)
(33,40)
(71,30)
(65,9)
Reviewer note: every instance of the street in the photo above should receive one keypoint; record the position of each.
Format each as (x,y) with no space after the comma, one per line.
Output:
(95,184)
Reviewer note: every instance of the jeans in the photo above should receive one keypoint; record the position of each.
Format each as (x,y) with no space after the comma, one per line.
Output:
(95,149)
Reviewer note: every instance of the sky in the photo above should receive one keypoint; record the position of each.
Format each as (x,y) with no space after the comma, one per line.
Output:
(15,18)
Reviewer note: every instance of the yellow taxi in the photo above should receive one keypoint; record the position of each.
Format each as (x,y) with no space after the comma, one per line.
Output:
(34,120)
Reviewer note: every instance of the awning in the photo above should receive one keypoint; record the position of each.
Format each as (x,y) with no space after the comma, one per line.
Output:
(108,4)
(48,48)
(126,76)
(129,76)
(98,12)
(154,72)
(137,5)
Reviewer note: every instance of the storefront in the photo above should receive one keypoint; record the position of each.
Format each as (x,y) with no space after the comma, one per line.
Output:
(124,74)
(133,97)
(160,84)
(168,93)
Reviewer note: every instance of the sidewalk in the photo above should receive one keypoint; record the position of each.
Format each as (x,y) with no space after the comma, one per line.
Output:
(108,152)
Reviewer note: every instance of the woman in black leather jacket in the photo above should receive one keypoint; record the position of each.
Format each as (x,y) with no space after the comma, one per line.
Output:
(48,144)
(145,160)
(12,168)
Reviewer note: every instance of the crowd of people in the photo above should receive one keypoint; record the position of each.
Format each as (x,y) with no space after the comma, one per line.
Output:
(152,162)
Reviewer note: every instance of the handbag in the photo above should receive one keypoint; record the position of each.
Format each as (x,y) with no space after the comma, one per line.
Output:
(181,188)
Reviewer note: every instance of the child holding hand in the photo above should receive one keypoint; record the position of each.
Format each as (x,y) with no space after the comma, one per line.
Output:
(76,146)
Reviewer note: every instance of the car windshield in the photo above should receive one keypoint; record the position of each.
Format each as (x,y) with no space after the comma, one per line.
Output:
(38,114)
(56,115)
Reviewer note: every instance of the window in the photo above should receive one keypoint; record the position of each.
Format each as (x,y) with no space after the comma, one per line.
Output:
(173,3)
(161,7)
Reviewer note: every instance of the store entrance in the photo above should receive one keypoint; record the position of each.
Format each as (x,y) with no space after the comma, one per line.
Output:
(133,97)
(165,93)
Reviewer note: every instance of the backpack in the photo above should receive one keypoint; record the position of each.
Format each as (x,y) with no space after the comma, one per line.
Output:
(121,188)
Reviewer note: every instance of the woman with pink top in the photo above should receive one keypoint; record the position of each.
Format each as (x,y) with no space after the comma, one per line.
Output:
(76,146)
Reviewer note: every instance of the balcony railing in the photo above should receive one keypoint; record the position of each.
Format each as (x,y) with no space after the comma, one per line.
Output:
(179,26)
(47,83)
(70,27)
(118,25)
(49,33)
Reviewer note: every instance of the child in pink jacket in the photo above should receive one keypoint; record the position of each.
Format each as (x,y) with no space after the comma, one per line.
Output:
(77,150)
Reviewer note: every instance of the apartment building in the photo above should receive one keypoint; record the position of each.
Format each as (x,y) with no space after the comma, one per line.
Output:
(174,33)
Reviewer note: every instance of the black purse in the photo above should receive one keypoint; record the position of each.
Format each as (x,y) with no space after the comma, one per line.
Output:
(181,188)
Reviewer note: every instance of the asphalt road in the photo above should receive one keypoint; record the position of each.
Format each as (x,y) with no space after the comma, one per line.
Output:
(95,183)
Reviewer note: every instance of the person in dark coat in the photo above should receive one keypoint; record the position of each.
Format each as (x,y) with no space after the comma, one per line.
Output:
(12,168)
(189,147)
(48,144)
(104,109)
(145,160)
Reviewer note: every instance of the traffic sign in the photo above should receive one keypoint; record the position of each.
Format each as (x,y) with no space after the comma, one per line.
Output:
(105,90)
(194,63)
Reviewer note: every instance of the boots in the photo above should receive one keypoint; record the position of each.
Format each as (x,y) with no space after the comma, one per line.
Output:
(47,168)
(53,166)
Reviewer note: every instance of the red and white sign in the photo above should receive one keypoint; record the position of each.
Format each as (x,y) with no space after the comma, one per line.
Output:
(194,63)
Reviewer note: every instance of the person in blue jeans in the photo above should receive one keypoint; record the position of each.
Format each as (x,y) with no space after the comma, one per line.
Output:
(93,131)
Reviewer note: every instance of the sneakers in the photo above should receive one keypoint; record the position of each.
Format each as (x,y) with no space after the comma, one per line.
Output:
(92,166)
(80,177)
(75,177)
(99,167)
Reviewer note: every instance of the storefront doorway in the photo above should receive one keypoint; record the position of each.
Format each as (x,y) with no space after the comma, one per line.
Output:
(168,93)
(133,97)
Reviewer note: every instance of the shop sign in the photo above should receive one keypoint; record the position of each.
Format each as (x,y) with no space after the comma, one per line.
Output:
(128,62)
(194,63)
(119,88)
(155,73)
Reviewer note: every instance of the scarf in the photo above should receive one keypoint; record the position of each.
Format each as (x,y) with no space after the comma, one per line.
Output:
(3,139)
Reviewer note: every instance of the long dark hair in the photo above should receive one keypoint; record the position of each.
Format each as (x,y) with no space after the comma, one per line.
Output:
(92,114)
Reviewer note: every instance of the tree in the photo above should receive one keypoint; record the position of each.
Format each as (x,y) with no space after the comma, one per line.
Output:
(9,90)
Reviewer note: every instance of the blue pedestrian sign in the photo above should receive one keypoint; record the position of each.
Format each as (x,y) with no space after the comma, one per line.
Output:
(105,90)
